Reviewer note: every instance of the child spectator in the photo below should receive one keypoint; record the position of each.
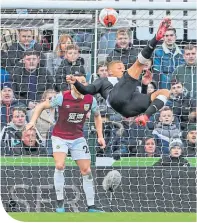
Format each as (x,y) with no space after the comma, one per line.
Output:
(124,50)
(186,73)
(181,103)
(8,102)
(190,141)
(175,157)
(31,80)
(165,130)
(25,42)
(47,117)
(72,64)
(166,58)
(55,59)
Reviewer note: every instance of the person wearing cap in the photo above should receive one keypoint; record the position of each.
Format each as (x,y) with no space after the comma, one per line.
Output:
(8,102)
(175,157)
(182,104)
(190,141)
(31,80)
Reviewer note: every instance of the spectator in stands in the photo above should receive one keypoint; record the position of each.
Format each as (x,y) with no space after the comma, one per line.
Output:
(175,157)
(31,144)
(166,58)
(48,117)
(165,129)
(152,87)
(55,59)
(181,103)
(31,80)
(186,73)
(72,64)
(10,133)
(190,141)
(124,50)
(8,102)
(148,148)
(5,76)
(25,42)
(101,71)
(193,116)
(47,40)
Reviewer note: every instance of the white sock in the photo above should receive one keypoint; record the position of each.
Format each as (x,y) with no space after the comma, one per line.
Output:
(59,183)
(88,187)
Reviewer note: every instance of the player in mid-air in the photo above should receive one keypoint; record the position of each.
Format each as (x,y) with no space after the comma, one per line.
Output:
(68,134)
(122,96)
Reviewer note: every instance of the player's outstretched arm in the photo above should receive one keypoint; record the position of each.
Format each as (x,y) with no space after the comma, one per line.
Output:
(36,114)
(89,89)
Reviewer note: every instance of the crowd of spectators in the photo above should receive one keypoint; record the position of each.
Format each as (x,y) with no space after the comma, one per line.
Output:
(28,77)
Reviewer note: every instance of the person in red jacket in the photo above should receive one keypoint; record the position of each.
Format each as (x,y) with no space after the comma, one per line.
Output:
(68,135)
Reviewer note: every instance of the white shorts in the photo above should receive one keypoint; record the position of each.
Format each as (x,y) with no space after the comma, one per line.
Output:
(78,148)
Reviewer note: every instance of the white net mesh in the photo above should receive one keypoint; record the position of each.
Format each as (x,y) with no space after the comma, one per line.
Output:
(27,180)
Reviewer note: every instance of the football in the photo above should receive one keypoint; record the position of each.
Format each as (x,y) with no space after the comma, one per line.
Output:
(108,17)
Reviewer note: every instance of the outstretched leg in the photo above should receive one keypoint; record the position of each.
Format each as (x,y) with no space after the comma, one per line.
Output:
(159,99)
(136,69)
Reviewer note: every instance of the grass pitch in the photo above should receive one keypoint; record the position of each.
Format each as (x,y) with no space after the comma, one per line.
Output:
(105,217)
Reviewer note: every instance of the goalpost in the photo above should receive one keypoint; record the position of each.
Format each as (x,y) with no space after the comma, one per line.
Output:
(27,182)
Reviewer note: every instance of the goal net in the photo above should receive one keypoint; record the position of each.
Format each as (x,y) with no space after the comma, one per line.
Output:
(27,178)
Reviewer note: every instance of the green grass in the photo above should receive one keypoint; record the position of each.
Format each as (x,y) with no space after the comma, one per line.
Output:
(49,161)
(105,217)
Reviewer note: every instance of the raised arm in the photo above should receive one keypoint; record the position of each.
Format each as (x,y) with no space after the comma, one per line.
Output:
(37,112)
(89,89)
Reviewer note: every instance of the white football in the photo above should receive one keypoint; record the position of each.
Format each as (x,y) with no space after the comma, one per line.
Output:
(108,17)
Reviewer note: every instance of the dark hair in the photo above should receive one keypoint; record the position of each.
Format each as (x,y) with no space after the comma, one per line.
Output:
(189,47)
(31,52)
(101,64)
(78,74)
(175,81)
(19,109)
